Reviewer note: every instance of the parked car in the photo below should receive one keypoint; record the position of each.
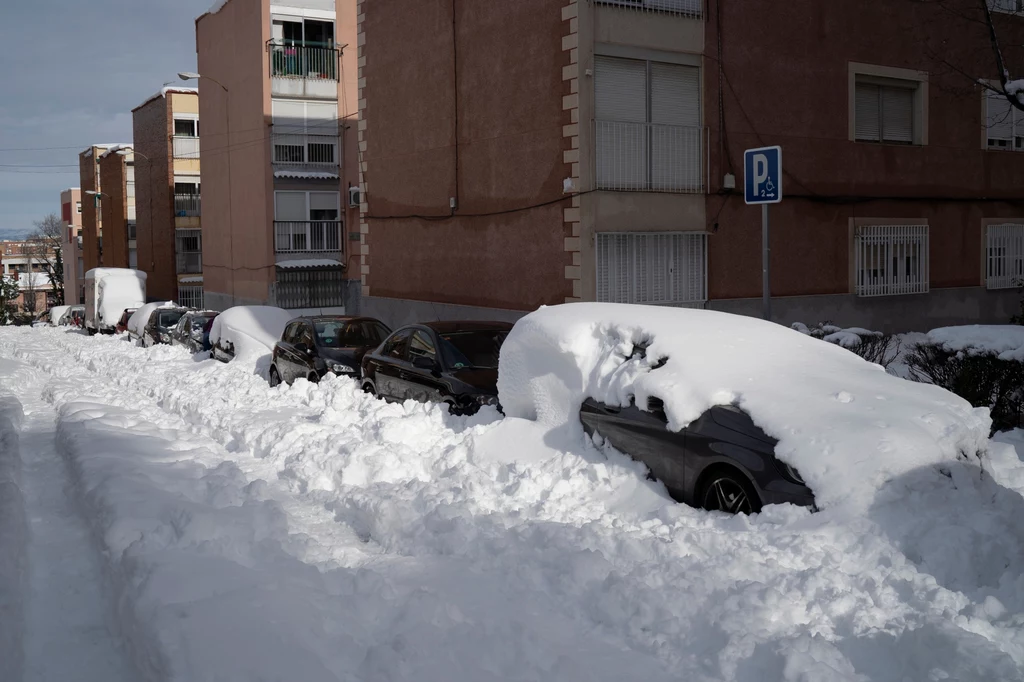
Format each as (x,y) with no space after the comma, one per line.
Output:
(450,362)
(57,313)
(138,320)
(122,324)
(250,330)
(193,330)
(310,347)
(108,291)
(76,316)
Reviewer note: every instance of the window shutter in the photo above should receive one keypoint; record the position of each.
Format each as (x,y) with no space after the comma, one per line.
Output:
(620,89)
(675,94)
(321,118)
(291,206)
(867,123)
(999,120)
(897,114)
(676,142)
(289,118)
(621,130)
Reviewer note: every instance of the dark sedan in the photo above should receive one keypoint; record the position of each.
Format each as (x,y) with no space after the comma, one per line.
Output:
(310,347)
(721,461)
(158,327)
(193,330)
(450,362)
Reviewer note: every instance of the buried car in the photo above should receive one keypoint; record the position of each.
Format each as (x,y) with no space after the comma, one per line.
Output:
(193,330)
(445,362)
(703,397)
(250,330)
(312,347)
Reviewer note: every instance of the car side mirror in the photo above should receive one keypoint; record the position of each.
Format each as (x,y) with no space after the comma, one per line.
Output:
(423,362)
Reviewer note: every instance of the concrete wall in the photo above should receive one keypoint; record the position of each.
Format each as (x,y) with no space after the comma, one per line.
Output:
(396,312)
(89,181)
(237,182)
(114,207)
(345,32)
(70,252)
(502,125)
(154,196)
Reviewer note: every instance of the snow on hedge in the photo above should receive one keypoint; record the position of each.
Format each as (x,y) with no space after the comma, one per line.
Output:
(1006,341)
(846,425)
(250,329)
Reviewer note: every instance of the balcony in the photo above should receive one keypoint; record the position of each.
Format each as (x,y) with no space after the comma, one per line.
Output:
(311,236)
(189,262)
(687,8)
(185,147)
(187,205)
(648,157)
(303,70)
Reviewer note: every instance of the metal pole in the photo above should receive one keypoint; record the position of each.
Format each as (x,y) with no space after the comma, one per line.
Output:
(766,293)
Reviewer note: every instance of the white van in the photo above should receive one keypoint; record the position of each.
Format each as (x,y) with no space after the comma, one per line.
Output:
(108,291)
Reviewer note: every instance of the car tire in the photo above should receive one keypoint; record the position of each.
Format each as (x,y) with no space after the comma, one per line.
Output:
(313,378)
(275,377)
(726,489)
(369,389)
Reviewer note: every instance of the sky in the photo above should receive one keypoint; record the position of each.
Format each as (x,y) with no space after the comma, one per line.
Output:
(75,71)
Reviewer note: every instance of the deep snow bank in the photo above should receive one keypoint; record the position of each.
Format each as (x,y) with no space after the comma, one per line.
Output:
(250,329)
(846,425)
(13,542)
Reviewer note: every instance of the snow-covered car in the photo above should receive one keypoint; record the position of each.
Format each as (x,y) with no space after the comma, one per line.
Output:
(843,423)
(57,314)
(76,316)
(137,323)
(193,330)
(250,330)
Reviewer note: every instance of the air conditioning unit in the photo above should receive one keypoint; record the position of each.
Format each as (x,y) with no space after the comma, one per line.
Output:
(354,198)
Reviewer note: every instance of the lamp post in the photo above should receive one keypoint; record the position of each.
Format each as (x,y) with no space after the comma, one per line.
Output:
(95,194)
(192,75)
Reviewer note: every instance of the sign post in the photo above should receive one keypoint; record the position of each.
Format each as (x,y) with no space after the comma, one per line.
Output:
(762,184)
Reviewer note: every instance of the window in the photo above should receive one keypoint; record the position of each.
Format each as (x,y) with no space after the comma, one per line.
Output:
(1004,256)
(305,132)
(185,141)
(1011,6)
(884,110)
(647,127)
(374,332)
(78,207)
(891,260)
(475,349)
(668,268)
(291,333)
(395,347)
(307,221)
(1004,123)
(421,346)
(186,127)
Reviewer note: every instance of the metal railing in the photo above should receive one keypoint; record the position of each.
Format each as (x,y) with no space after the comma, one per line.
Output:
(648,157)
(1004,256)
(310,288)
(185,147)
(189,262)
(190,296)
(187,205)
(305,150)
(311,236)
(890,260)
(653,268)
(688,8)
(303,61)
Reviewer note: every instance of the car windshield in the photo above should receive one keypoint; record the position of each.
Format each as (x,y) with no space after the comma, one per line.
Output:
(169,318)
(475,349)
(338,334)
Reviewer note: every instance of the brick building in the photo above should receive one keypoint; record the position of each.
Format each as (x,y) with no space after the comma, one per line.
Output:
(71,244)
(92,196)
(166,136)
(529,153)
(277,97)
(117,180)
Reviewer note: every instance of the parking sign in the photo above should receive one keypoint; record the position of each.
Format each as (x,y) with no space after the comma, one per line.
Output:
(762,175)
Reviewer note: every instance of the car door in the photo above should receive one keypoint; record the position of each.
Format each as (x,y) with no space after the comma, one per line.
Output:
(386,367)
(422,383)
(303,351)
(644,436)
(283,353)
(181,331)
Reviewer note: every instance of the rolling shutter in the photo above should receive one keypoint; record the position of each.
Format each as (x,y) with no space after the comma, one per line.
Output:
(867,120)
(675,94)
(620,89)
(897,114)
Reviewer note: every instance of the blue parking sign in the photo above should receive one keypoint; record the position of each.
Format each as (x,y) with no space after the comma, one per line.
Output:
(762,175)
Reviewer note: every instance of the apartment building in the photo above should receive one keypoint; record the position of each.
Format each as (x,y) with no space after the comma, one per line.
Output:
(277,98)
(117,202)
(547,151)
(28,263)
(71,245)
(169,207)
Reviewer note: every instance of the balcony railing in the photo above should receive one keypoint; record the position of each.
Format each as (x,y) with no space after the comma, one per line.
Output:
(185,147)
(187,205)
(312,236)
(190,296)
(315,152)
(688,8)
(648,157)
(189,262)
(310,288)
(303,61)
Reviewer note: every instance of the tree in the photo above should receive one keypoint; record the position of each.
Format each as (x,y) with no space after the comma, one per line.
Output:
(8,295)
(48,238)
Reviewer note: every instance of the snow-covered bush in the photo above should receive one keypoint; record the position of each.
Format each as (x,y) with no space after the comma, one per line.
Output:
(983,364)
(881,349)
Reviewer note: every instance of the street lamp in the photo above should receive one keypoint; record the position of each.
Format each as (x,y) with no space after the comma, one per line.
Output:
(99,237)
(192,75)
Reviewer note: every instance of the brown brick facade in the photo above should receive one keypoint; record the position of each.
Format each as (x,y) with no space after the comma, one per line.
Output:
(114,209)
(154,196)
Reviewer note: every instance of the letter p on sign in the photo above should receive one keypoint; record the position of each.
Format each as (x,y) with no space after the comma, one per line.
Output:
(762,175)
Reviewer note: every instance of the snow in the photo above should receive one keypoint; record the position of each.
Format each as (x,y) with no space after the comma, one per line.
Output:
(308,263)
(57,312)
(13,539)
(846,425)
(191,279)
(114,148)
(1006,341)
(306,175)
(251,330)
(140,317)
(166,90)
(117,289)
(312,532)
(34,280)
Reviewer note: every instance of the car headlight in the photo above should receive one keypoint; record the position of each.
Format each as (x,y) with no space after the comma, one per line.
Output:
(486,399)
(339,368)
(166,338)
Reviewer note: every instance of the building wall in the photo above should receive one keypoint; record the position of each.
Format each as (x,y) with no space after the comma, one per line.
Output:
(70,252)
(89,180)
(346,33)
(154,197)
(114,209)
(831,182)
(237,182)
(502,126)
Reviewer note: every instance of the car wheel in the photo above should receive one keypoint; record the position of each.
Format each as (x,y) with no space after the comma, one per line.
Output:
(726,490)
(275,378)
(313,378)
(369,389)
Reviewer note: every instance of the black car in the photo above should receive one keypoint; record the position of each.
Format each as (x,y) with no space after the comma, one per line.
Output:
(450,362)
(193,330)
(158,327)
(311,347)
(721,461)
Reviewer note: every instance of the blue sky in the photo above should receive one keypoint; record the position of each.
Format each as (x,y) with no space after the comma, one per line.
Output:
(75,71)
